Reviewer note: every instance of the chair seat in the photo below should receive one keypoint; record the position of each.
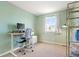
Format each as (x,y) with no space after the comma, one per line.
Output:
(23,38)
(22,41)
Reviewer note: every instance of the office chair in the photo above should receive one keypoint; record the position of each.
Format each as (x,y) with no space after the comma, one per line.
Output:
(26,39)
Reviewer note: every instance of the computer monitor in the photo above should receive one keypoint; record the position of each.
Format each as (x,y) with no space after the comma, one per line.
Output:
(20,26)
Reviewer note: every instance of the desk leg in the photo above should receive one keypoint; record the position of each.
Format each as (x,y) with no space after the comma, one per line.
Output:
(11,42)
(12,47)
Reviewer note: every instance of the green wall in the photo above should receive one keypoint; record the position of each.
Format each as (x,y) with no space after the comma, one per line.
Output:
(9,16)
(50,36)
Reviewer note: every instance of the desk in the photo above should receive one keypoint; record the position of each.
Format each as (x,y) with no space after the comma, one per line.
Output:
(12,36)
(34,40)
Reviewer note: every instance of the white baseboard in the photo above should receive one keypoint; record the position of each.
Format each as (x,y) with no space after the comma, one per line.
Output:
(9,51)
(52,42)
(4,53)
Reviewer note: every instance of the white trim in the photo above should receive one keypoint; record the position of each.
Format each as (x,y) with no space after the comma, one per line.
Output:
(9,51)
(4,53)
(44,41)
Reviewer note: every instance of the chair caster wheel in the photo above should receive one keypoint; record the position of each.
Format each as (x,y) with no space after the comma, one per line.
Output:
(32,50)
(19,50)
(24,53)
(25,47)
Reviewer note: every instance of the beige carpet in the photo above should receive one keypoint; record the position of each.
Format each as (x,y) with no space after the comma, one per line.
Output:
(44,50)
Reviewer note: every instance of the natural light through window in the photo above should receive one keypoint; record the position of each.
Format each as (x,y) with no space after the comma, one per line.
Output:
(51,24)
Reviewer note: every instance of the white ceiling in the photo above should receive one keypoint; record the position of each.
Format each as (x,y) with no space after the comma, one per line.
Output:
(41,7)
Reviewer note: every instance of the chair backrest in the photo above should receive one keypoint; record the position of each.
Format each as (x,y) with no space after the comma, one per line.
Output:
(28,34)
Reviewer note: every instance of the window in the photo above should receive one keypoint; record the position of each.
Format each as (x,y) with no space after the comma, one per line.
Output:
(51,24)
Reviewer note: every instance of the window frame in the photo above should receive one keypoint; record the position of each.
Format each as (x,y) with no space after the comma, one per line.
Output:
(57,28)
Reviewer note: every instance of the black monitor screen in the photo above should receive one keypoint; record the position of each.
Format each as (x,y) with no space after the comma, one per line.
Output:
(20,26)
